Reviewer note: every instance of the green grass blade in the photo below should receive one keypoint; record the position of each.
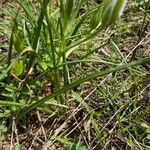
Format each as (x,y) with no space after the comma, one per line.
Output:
(85,79)
(10,104)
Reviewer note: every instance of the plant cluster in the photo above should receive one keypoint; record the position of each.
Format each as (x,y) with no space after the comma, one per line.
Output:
(49,40)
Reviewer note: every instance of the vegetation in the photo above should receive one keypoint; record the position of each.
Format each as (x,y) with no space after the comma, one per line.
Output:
(73,76)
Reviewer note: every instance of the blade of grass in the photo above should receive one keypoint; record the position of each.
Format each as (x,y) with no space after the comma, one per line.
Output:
(9,57)
(71,63)
(78,82)
(10,104)
(53,50)
(28,13)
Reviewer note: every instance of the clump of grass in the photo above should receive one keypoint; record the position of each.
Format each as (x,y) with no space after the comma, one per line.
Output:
(39,77)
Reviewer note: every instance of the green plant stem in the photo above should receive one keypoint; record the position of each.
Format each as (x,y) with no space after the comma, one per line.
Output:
(78,82)
(53,51)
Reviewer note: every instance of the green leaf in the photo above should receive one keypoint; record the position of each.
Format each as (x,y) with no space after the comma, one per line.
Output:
(69,9)
(18,41)
(112,12)
(18,67)
(145,125)
(17,147)
(77,146)
(148,137)
(96,18)
(148,130)
(81,101)
(82,80)
(66,13)
(43,65)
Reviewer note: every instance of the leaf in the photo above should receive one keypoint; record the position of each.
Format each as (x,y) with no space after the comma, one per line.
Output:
(18,67)
(17,147)
(69,9)
(81,101)
(112,12)
(78,82)
(148,130)
(96,18)
(66,11)
(145,125)
(43,65)
(18,41)
(77,146)
(148,137)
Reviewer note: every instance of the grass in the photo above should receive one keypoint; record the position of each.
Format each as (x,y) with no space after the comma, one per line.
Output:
(68,82)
